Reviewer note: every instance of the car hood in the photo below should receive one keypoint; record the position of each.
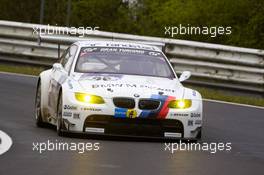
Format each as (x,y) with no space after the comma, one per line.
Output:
(116,85)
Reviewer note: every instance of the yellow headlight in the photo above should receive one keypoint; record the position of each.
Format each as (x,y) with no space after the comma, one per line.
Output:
(88,98)
(180,104)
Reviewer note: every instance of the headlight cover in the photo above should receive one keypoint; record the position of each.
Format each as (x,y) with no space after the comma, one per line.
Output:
(88,98)
(180,104)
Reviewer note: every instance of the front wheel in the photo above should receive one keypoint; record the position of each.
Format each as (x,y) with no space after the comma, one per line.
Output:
(38,117)
(199,135)
(59,116)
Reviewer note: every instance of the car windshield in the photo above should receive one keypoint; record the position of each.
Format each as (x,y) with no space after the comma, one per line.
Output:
(123,61)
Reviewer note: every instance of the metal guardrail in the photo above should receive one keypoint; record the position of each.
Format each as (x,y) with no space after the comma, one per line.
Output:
(210,64)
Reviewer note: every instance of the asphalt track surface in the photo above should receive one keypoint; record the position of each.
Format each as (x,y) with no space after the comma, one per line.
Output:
(242,126)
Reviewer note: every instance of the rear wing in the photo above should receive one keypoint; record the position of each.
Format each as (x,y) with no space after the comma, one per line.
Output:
(68,40)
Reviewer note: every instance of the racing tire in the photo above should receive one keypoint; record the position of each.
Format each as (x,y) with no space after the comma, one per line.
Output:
(38,116)
(199,135)
(59,116)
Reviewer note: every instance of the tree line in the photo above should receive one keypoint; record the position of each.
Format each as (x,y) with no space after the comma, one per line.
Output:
(150,17)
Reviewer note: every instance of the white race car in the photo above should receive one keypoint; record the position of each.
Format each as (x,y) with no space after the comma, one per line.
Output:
(118,88)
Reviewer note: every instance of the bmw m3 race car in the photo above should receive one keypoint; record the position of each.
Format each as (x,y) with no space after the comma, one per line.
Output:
(120,89)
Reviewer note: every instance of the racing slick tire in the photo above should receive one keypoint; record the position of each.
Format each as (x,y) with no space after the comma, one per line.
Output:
(59,116)
(199,136)
(38,117)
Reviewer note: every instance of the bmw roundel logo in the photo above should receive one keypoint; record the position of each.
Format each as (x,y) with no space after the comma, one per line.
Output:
(136,95)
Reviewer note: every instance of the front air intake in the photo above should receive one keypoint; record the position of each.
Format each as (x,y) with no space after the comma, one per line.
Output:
(123,102)
(148,104)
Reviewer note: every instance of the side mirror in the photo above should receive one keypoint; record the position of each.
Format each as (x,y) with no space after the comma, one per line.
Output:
(57,66)
(184,76)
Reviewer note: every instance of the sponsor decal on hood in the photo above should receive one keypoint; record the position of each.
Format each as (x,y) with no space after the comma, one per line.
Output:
(98,77)
(110,85)
(120,85)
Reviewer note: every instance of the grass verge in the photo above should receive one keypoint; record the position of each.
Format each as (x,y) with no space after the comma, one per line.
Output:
(29,70)
(206,92)
(221,95)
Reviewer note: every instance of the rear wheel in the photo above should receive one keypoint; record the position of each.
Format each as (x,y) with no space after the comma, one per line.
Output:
(59,116)
(38,117)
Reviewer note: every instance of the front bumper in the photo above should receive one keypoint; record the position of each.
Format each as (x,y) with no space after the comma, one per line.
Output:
(104,119)
(137,127)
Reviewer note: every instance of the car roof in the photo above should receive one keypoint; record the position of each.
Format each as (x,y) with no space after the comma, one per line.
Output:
(121,44)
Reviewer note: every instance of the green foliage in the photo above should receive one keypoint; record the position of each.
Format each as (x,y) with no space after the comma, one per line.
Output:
(17,10)
(149,17)
(95,13)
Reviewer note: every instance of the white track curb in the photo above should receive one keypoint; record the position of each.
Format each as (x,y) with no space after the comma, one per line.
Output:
(6,142)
